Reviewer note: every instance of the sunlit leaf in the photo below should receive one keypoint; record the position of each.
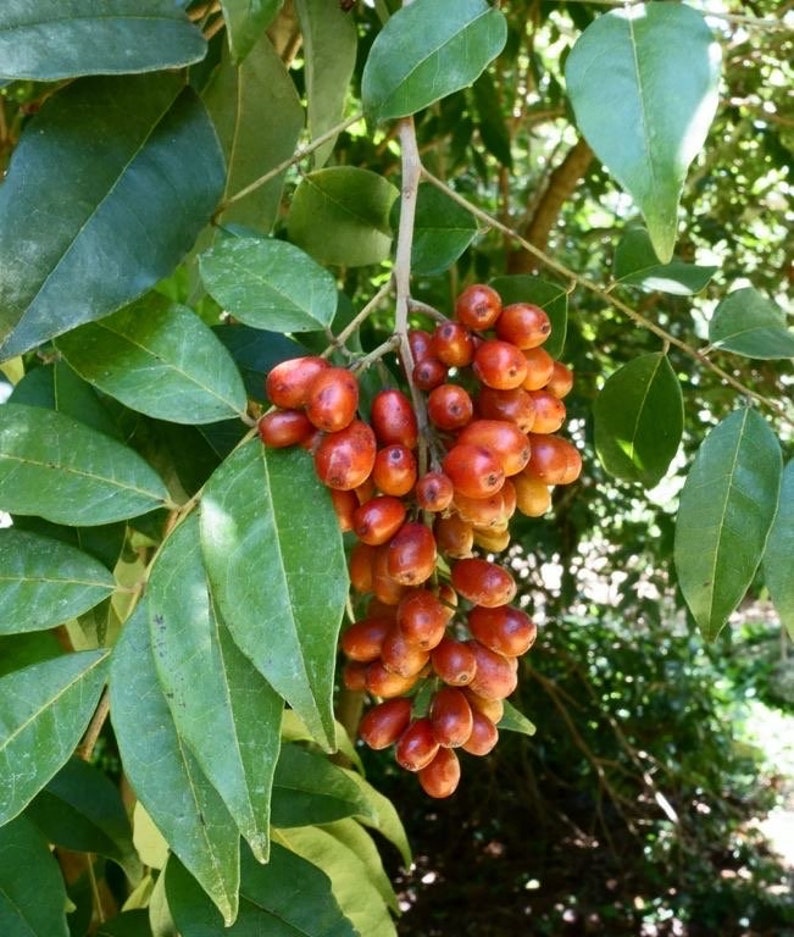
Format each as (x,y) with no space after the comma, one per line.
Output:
(515,721)
(749,324)
(778,562)
(636,264)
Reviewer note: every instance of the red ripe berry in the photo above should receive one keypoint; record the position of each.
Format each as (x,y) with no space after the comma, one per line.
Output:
(523,325)
(554,461)
(345,459)
(482,512)
(540,368)
(441,777)
(411,555)
(505,440)
(382,682)
(363,640)
(499,365)
(354,675)
(454,535)
(474,471)
(386,589)
(514,405)
(394,472)
(421,344)
(360,566)
(494,709)
(506,630)
(422,618)
(453,345)
(561,381)
(288,382)
(417,746)
(393,419)
(454,662)
(450,714)
(484,735)
(400,656)
(434,492)
(378,520)
(281,428)
(483,582)
(385,723)
(332,399)
(429,373)
(496,677)
(345,504)
(478,307)
(549,411)
(449,407)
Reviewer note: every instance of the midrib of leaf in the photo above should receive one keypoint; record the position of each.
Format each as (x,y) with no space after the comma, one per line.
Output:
(20,913)
(344,208)
(641,97)
(286,297)
(60,582)
(643,401)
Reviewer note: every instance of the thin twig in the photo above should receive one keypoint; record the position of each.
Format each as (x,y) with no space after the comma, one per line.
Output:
(86,747)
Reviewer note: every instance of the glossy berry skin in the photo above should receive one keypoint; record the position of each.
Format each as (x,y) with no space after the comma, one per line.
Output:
(454,535)
(378,520)
(478,307)
(540,368)
(474,471)
(332,399)
(523,325)
(345,504)
(494,541)
(345,459)
(429,373)
(400,656)
(434,492)
(386,589)
(554,461)
(533,496)
(394,472)
(382,682)
(499,365)
(484,735)
(561,381)
(363,640)
(354,675)
(417,746)
(504,439)
(450,714)
(483,582)
(441,777)
(282,428)
(393,419)
(422,618)
(494,709)
(287,383)
(482,512)
(506,629)
(515,406)
(411,555)
(385,723)
(421,344)
(449,407)
(453,344)
(454,662)
(549,411)
(495,677)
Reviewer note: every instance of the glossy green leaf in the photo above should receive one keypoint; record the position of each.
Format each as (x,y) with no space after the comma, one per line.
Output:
(46,40)
(54,467)
(639,420)
(44,710)
(524,288)
(269,284)
(212,689)
(385,820)
(778,563)
(351,834)
(32,891)
(288,897)
(749,324)
(246,20)
(515,721)
(22,650)
(330,43)
(426,51)
(81,809)
(354,204)
(636,264)
(725,512)
(491,121)
(442,232)
(643,85)
(293,729)
(263,515)
(361,902)
(154,171)
(259,118)
(103,542)
(44,582)
(160,359)
(165,776)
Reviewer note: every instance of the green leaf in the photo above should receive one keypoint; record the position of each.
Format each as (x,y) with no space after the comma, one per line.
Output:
(351,834)
(132,923)
(246,20)
(354,204)
(103,542)
(639,420)
(361,902)
(263,515)
(22,650)
(778,561)
(386,819)
(643,85)
(47,40)
(288,897)
(426,51)
(515,721)
(442,232)
(54,467)
(749,324)
(81,809)
(491,121)
(160,359)
(255,352)
(330,43)
(44,710)
(726,509)
(269,284)
(44,582)
(293,729)
(165,776)
(523,288)
(259,118)
(32,892)
(154,171)
(212,689)
(636,264)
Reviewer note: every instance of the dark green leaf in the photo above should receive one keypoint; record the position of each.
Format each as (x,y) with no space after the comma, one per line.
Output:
(32,892)
(256,351)
(778,563)
(639,420)
(442,232)
(22,650)
(269,284)
(160,359)
(104,542)
(491,121)
(165,776)
(212,689)
(46,40)
(515,721)
(153,171)
(523,288)
(263,515)
(749,324)
(352,203)
(426,51)
(643,85)
(44,582)
(44,710)
(726,509)
(636,264)
(56,468)
(134,923)
(246,20)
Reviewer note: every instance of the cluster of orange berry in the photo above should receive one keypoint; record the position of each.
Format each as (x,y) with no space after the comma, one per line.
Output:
(420,500)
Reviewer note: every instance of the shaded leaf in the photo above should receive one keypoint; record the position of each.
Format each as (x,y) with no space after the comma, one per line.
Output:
(726,509)
(491,122)
(154,170)
(293,729)
(103,542)
(442,232)
(636,264)
(523,288)
(515,721)
(256,351)
(426,51)
(352,835)
(44,710)
(386,819)
(246,20)
(778,563)
(749,324)
(643,85)
(54,467)
(132,923)
(639,420)
(22,650)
